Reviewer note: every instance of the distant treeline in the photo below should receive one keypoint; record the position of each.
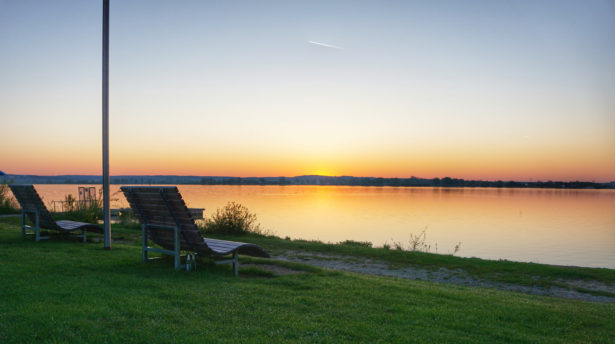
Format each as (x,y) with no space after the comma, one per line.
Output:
(413,181)
(302,180)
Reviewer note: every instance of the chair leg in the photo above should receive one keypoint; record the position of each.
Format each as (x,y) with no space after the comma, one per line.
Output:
(234,260)
(144,243)
(235,264)
(37,229)
(177,249)
(23,224)
(83,231)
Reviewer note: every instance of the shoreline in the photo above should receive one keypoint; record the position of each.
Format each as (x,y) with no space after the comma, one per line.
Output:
(564,281)
(568,290)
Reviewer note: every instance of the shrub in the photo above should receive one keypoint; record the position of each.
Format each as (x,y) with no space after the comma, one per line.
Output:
(90,211)
(7,203)
(234,218)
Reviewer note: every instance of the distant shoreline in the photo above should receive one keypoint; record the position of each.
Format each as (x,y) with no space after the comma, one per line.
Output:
(303,180)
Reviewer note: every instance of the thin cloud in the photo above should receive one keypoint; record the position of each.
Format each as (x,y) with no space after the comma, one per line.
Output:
(325,45)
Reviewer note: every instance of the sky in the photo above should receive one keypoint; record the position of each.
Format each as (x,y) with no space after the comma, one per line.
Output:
(521,90)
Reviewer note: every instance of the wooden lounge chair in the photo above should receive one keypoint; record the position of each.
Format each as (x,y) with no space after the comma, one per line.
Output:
(165,219)
(32,206)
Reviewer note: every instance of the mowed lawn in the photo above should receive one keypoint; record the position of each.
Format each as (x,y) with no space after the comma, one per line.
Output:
(62,290)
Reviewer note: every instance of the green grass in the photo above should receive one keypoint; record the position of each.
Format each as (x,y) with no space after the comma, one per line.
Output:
(530,274)
(65,291)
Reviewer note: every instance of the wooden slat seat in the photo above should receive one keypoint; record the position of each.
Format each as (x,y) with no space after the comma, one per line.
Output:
(167,221)
(33,207)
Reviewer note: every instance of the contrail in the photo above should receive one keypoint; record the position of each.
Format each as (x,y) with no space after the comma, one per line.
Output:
(325,45)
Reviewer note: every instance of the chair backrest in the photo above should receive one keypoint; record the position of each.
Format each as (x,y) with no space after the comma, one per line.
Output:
(30,201)
(164,206)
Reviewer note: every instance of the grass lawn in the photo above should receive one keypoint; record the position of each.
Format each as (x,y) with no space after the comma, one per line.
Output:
(61,290)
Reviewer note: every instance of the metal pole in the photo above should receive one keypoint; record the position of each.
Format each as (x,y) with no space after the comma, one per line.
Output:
(105,124)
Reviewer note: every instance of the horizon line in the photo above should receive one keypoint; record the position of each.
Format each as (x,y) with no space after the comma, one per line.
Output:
(532,180)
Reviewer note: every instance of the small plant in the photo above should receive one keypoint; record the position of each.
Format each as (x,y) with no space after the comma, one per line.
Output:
(386,246)
(398,246)
(234,218)
(69,202)
(456,249)
(418,242)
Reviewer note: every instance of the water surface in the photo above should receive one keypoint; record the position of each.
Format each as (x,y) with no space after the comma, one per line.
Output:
(567,227)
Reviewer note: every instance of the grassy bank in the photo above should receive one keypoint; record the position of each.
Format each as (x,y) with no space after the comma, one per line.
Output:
(496,270)
(65,291)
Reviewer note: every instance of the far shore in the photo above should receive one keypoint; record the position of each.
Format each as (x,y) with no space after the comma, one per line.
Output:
(313,180)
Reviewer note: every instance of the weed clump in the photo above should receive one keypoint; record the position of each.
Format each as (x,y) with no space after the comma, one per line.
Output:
(233,218)
(418,242)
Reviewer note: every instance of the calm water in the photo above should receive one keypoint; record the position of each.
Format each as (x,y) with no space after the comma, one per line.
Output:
(567,227)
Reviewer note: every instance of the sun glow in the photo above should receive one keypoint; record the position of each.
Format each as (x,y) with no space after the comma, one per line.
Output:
(322,172)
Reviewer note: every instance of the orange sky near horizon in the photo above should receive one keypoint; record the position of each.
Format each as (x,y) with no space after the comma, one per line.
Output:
(577,163)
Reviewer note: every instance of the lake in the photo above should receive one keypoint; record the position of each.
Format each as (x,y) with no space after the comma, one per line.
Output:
(564,227)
